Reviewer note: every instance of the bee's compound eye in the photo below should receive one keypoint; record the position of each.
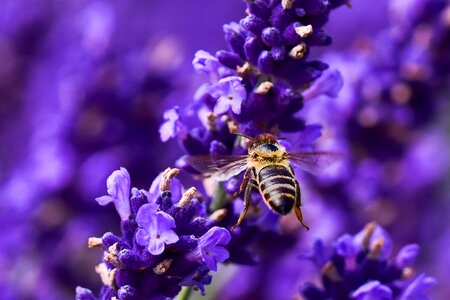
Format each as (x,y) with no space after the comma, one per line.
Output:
(269,148)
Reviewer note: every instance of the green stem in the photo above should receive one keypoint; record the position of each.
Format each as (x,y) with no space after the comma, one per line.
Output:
(219,198)
(185,293)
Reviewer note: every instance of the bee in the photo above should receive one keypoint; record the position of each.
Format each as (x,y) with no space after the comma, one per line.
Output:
(268,168)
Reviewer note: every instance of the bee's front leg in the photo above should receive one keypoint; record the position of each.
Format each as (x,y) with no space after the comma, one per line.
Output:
(244,183)
(298,203)
(248,193)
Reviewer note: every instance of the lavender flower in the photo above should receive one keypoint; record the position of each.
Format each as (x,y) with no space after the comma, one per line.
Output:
(118,184)
(419,288)
(164,245)
(229,93)
(256,86)
(106,97)
(205,63)
(210,248)
(372,290)
(359,267)
(173,126)
(386,122)
(156,228)
(198,279)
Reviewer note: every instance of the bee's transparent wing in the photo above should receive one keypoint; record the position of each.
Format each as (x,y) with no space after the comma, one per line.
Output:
(314,162)
(221,167)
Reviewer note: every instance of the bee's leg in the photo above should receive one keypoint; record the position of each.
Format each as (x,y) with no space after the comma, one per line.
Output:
(248,192)
(243,183)
(298,203)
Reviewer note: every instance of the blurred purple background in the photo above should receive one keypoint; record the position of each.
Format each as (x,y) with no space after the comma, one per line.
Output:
(83,85)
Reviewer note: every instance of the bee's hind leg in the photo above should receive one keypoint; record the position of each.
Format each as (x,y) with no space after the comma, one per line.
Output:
(248,192)
(244,183)
(298,203)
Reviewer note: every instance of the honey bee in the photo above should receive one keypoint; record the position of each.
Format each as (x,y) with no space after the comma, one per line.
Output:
(268,168)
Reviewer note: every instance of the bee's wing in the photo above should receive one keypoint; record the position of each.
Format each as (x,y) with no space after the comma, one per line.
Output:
(220,168)
(314,162)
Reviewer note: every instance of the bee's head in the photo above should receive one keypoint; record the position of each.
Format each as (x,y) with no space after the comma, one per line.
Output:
(262,139)
(265,145)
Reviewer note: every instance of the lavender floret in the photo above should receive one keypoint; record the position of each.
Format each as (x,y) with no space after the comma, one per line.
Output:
(156,228)
(118,184)
(210,248)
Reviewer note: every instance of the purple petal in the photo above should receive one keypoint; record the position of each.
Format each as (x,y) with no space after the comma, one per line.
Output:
(215,236)
(103,200)
(418,289)
(195,255)
(236,106)
(222,105)
(156,246)
(118,183)
(118,187)
(84,294)
(172,114)
(230,79)
(209,260)
(164,220)
(319,254)
(407,255)
(329,84)
(311,133)
(205,63)
(142,237)
(170,237)
(229,87)
(146,214)
(239,91)
(173,126)
(344,246)
(372,290)
(220,254)
(167,131)
(207,249)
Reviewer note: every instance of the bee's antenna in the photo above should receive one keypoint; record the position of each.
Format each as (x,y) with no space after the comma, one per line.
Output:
(281,138)
(243,135)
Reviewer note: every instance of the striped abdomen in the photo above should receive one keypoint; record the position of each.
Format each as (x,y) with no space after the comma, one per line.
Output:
(277,186)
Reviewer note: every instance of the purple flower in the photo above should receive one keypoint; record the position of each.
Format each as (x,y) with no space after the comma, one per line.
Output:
(173,126)
(138,263)
(83,294)
(418,289)
(318,254)
(230,93)
(118,188)
(199,278)
(344,246)
(359,268)
(372,290)
(205,63)
(375,235)
(210,248)
(329,84)
(407,255)
(156,231)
